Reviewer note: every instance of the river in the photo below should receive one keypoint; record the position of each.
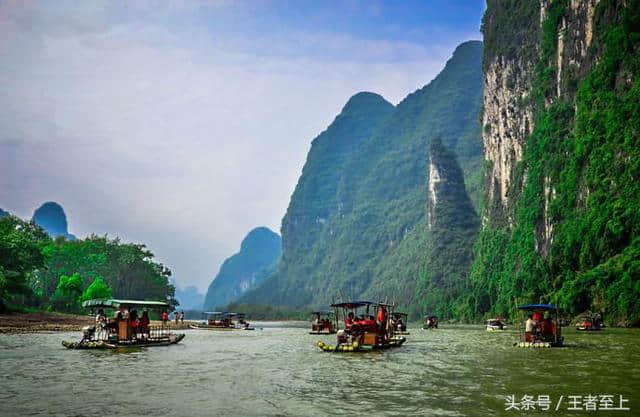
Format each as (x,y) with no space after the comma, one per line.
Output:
(277,371)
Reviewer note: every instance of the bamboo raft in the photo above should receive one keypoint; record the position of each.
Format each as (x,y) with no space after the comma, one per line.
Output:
(101,344)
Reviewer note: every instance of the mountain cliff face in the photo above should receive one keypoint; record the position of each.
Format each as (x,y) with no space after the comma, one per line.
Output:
(452,225)
(3,213)
(259,251)
(356,223)
(560,132)
(50,216)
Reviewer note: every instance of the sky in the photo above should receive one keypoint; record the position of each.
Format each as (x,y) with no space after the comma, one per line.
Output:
(185,124)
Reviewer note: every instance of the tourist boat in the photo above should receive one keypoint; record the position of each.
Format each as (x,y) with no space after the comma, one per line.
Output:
(322,322)
(223,321)
(430,322)
(495,325)
(399,323)
(548,330)
(125,330)
(362,333)
(591,323)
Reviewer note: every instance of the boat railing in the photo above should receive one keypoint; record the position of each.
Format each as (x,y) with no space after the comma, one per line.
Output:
(103,333)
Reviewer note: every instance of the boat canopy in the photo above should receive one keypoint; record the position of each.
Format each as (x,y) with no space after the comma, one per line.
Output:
(353,304)
(114,303)
(220,313)
(532,307)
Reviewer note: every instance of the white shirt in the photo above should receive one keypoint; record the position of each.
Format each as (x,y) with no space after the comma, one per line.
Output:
(529,325)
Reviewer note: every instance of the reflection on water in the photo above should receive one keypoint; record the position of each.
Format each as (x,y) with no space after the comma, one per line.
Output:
(457,371)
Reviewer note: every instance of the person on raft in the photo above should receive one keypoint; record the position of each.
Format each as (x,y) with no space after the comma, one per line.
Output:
(530,328)
(144,324)
(382,320)
(348,321)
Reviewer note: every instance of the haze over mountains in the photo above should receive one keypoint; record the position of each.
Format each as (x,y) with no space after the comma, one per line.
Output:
(259,251)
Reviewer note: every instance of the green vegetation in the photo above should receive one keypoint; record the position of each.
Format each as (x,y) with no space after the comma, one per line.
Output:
(268,312)
(39,272)
(585,154)
(255,261)
(355,226)
(21,254)
(453,226)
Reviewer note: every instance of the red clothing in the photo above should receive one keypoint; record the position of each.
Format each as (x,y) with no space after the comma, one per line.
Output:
(382,314)
(165,316)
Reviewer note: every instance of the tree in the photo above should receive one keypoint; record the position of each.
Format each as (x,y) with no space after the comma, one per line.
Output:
(67,293)
(20,254)
(97,289)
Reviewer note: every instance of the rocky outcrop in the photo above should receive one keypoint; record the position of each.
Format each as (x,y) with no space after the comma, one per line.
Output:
(452,225)
(562,147)
(51,217)
(509,66)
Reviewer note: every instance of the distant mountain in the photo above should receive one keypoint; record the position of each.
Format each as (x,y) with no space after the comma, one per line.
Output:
(50,216)
(4,213)
(189,298)
(356,222)
(259,251)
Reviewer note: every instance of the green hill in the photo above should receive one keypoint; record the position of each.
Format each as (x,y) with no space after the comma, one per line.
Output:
(359,208)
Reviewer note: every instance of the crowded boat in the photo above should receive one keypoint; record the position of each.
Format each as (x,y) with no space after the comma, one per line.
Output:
(399,322)
(591,322)
(322,322)
(130,325)
(496,324)
(542,326)
(367,326)
(222,320)
(430,322)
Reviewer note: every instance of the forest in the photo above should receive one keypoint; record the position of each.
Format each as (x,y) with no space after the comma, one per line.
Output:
(38,272)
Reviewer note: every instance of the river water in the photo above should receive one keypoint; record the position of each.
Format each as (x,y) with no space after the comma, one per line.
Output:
(277,371)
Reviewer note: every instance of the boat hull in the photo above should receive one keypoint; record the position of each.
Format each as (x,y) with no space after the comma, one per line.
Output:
(102,345)
(496,329)
(356,348)
(220,329)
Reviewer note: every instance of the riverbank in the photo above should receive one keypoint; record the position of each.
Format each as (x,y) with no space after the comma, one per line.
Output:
(57,322)
(42,322)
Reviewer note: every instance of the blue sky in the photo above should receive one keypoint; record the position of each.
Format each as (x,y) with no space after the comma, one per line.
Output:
(183,125)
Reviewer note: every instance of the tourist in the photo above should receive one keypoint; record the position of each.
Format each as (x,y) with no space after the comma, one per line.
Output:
(529,328)
(348,321)
(145,323)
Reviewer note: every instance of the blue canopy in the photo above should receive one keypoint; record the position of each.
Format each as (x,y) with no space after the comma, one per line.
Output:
(537,307)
